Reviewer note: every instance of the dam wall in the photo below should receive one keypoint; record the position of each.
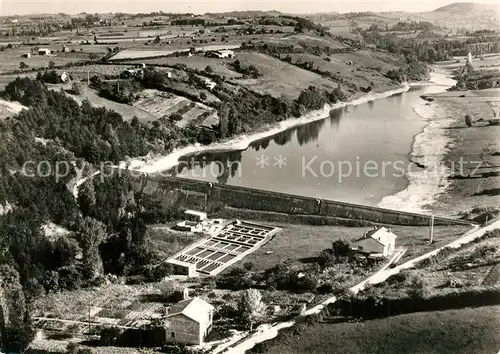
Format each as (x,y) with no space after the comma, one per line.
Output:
(187,193)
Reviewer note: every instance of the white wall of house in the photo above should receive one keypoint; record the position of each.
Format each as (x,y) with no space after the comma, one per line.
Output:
(182,329)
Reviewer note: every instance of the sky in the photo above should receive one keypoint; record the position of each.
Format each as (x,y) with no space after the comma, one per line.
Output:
(21,7)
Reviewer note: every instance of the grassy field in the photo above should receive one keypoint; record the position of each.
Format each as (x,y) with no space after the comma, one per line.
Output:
(300,242)
(126,111)
(8,109)
(362,67)
(464,331)
(279,78)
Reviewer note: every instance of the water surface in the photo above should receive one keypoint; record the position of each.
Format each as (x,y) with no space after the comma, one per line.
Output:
(358,154)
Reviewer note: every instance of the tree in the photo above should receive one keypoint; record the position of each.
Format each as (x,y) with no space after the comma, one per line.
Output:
(251,307)
(90,234)
(157,40)
(76,88)
(65,251)
(223,121)
(23,66)
(12,293)
(208,69)
(17,337)
(469,121)
(69,278)
(86,197)
(52,65)
(340,248)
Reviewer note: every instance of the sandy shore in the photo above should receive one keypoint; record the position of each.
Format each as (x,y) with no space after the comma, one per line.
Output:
(152,164)
(427,174)
(472,154)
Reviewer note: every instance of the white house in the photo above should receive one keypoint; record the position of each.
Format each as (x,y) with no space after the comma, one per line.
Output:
(380,241)
(195,216)
(189,321)
(64,76)
(225,53)
(26,55)
(209,84)
(44,51)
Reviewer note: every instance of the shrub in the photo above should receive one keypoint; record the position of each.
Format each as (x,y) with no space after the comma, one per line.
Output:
(175,117)
(248,266)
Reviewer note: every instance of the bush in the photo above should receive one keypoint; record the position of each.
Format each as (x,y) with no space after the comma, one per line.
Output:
(248,266)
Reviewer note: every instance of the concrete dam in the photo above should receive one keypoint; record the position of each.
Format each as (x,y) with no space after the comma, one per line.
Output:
(212,197)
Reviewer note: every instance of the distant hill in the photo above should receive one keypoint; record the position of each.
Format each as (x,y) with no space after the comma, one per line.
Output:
(468,8)
(465,15)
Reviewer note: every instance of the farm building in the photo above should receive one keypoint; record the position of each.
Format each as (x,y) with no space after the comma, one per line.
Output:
(378,242)
(132,73)
(193,221)
(44,51)
(195,216)
(26,55)
(209,84)
(222,54)
(189,321)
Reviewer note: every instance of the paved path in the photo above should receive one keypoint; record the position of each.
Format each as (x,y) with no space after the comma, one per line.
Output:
(270,331)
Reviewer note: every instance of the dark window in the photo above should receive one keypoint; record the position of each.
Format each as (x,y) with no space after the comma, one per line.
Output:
(172,334)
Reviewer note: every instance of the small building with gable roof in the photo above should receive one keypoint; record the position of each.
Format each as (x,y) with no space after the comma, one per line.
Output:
(189,322)
(380,241)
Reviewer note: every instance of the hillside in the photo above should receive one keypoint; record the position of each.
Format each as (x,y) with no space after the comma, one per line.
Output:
(455,331)
(467,8)
(454,16)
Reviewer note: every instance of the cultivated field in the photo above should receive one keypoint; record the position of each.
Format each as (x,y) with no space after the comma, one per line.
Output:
(163,104)
(10,60)
(146,53)
(279,78)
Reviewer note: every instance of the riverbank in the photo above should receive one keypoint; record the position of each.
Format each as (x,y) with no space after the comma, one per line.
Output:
(152,164)
(427,173)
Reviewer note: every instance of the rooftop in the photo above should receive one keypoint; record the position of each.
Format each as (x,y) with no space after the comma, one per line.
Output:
(192,308)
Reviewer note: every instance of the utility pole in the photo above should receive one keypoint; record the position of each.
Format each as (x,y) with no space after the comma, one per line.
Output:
(89,316)
(431,231)
(88,77)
